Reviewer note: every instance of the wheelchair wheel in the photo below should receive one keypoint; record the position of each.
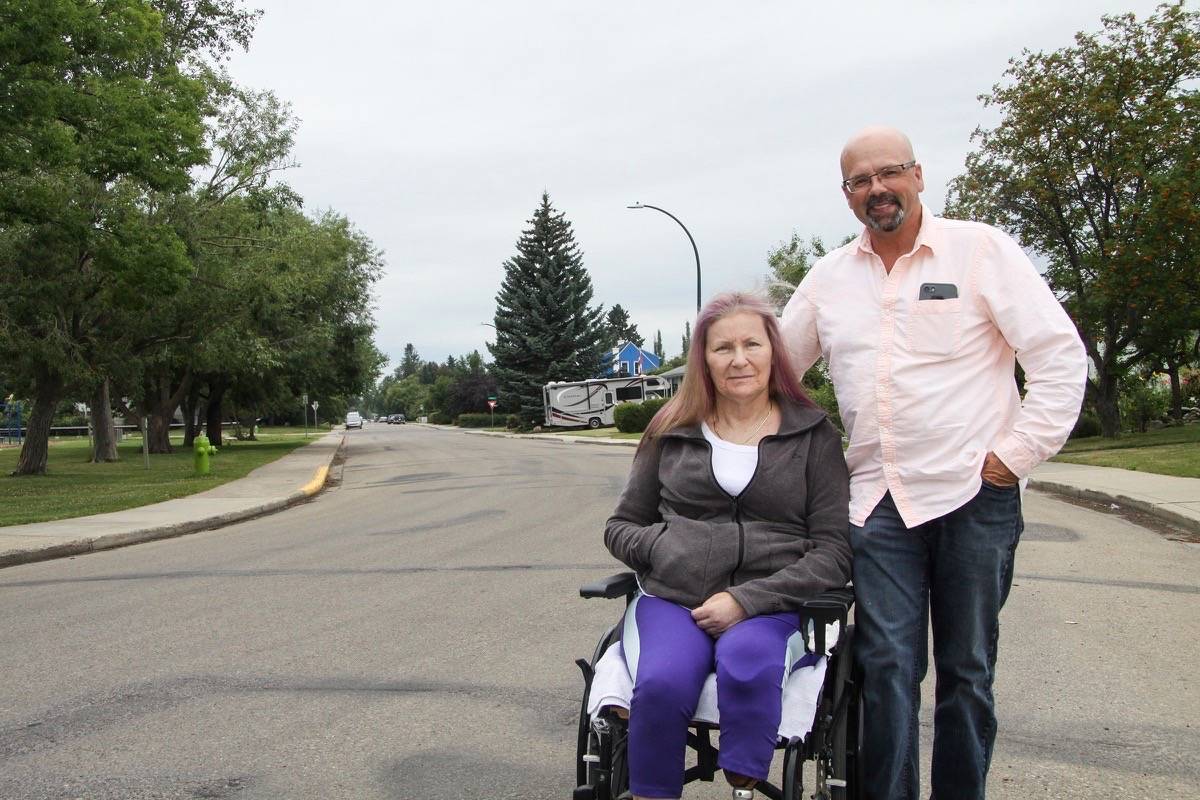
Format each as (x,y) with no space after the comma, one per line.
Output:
(845,764)
(619,778)
(606,776)
(793,771)
(604,746)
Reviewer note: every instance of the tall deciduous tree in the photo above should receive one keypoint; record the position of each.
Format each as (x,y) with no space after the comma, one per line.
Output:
(1094,165)
(546,328)
(789,262)
(101,105)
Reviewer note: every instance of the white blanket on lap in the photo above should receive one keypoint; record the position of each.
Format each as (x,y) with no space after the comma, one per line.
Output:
(612,686)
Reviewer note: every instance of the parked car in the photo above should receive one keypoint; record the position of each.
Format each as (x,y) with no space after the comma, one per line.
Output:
(381,418)
(396,419)
(354,420)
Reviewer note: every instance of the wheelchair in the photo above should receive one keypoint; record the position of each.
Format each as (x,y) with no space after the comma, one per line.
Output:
(832,745)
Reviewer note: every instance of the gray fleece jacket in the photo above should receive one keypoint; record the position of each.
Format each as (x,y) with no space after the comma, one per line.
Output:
(783,539)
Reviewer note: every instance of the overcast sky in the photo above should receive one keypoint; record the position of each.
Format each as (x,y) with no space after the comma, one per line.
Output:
(435,127)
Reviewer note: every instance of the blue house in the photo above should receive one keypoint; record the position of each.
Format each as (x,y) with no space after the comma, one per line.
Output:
(628,359)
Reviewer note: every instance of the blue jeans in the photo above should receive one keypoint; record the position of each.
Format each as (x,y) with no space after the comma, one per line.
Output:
(955,571)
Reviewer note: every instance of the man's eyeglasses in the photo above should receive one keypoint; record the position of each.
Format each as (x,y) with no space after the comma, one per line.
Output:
(860,182)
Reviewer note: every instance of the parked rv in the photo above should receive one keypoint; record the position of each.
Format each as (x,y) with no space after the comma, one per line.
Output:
(575,404)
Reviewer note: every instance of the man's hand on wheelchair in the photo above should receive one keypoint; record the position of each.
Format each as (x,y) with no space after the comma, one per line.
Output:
(718,614)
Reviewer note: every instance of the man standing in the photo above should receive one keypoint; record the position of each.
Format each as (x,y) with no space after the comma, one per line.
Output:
(919,321)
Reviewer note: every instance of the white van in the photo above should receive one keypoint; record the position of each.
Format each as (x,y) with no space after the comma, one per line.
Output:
(353,420)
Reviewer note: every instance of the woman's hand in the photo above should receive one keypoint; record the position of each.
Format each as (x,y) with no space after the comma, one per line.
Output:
(718,614)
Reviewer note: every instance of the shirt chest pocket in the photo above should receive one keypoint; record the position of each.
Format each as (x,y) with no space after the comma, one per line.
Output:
(935,327)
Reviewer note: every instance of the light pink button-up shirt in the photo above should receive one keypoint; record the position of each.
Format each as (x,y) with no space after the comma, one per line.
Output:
(926,387)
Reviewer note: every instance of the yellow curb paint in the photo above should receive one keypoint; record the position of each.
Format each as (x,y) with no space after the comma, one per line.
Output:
(314,486)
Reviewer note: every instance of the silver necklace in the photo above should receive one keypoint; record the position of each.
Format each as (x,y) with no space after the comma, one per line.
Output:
(758,427)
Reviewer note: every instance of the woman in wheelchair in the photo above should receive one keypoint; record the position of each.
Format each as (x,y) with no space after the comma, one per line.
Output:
(735,512)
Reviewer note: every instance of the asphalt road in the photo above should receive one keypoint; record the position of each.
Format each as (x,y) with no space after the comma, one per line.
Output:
(410,634)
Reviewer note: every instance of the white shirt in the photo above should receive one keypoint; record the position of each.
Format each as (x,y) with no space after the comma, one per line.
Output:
(926,387)
(733,465)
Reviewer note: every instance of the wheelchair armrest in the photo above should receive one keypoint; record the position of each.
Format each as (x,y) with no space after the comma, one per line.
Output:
(620,585)
(829,606)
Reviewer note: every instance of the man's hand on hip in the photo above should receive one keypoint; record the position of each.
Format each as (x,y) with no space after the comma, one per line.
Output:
(995,473)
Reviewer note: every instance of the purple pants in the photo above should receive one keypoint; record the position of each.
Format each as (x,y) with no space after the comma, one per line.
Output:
(669,659)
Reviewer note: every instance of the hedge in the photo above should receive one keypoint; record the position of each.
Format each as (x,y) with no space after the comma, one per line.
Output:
(438,418)
(1086,425)
(475,420)
(634,417)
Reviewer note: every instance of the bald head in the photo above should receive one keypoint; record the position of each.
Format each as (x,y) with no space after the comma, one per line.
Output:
(883,183)
(876,143)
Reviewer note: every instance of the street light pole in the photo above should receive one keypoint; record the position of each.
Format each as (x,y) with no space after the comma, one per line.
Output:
(690,239)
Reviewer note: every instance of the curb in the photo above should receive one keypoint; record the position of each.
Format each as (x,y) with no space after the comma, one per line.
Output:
(547,437)
(1153,509)
(170,531)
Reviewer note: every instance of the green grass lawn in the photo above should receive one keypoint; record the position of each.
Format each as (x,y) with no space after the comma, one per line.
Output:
(72,487)
(1167,451)
(289,430)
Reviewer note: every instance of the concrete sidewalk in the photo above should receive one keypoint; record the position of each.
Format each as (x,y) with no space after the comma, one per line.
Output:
(1173,500)
(291,479)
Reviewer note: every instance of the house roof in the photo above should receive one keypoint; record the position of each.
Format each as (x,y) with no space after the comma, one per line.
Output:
(621,351)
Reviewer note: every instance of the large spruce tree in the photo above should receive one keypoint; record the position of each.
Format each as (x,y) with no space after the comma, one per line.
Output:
(546,329)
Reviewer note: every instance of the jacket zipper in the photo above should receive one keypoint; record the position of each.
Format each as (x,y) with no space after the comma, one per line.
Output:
(735,502)
(737,517)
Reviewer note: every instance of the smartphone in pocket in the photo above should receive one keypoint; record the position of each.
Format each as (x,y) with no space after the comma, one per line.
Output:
(937,291)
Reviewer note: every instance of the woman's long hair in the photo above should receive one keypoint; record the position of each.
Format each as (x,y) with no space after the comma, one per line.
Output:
(697,396)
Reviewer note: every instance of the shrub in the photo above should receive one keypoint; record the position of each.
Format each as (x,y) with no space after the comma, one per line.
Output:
(1142,402)
(1086,425)
(512,422)
(1189,388)
(474,420)
(438,418)
(634,417)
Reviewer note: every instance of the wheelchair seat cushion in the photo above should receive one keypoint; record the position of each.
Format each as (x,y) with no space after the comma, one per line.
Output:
(612,686)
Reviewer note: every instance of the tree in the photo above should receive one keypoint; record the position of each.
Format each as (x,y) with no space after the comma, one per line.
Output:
(545,328)
(619,329)
(94,113)
(687,339)
(428,373)
(406,396)
(789,262)
(1094,166)
(410,364)
(214,335)
(659,350)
